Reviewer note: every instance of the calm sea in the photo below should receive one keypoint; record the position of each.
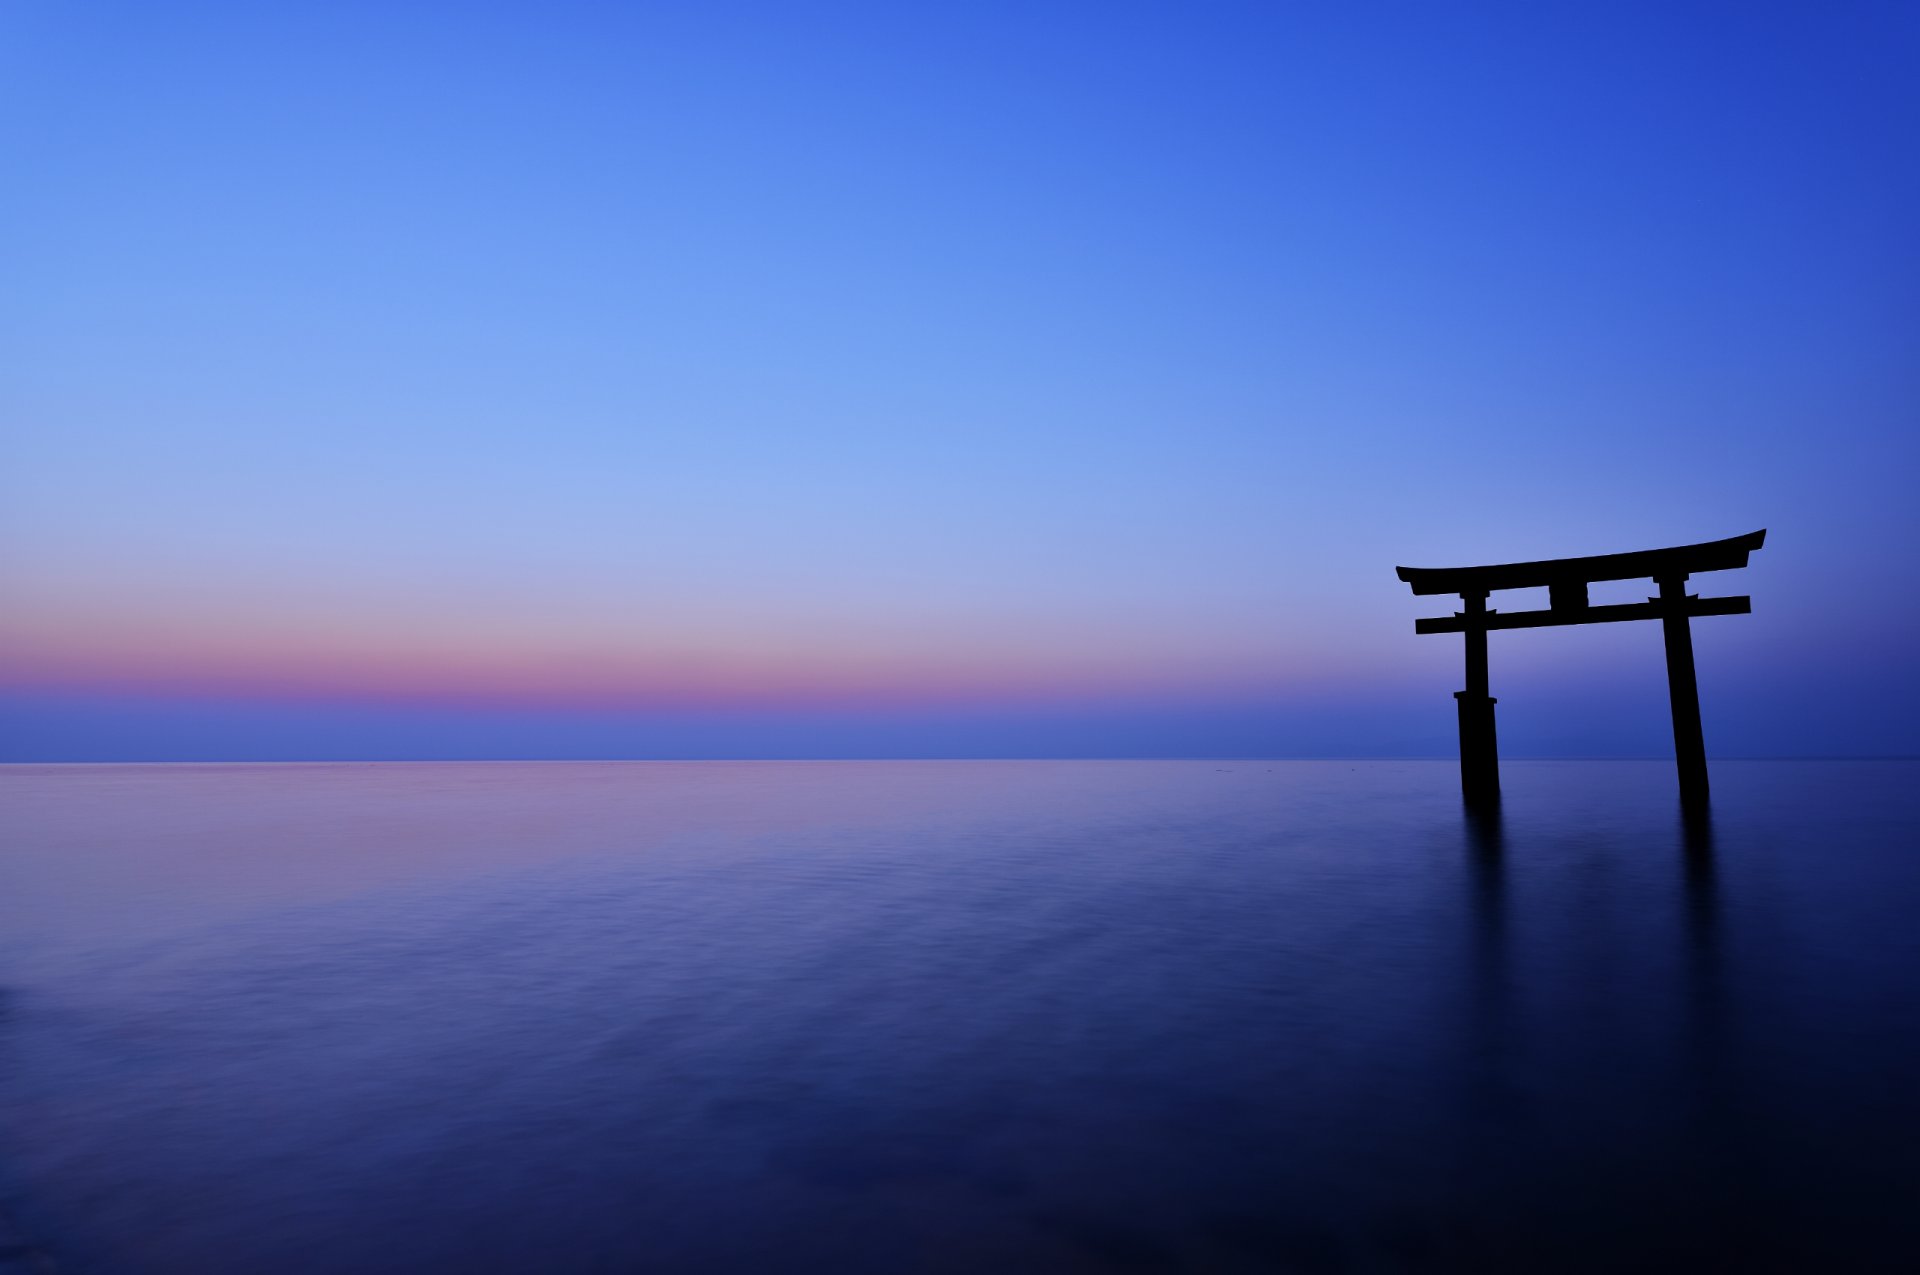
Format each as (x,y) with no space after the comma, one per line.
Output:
(959,1017)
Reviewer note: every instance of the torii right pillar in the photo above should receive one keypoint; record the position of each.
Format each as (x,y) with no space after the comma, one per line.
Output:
(1683,691)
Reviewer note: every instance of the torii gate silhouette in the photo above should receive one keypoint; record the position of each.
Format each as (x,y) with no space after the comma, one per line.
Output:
(1566,581)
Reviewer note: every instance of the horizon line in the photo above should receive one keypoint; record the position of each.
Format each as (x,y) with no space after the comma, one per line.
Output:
(710,760)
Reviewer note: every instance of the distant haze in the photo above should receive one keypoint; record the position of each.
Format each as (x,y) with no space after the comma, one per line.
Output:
(523,381)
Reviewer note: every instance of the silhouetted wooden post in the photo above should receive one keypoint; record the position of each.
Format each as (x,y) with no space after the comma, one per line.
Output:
(1479,747)
(1566,581)
(1689,743)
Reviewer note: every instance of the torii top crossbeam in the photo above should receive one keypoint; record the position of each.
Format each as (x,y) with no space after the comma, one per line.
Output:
(1566,580)
(1648,564)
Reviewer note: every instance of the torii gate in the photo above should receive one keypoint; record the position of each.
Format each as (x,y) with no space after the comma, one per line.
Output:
(1566,581)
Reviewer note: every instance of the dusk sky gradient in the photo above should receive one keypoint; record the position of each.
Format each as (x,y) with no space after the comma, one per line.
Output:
(409,380)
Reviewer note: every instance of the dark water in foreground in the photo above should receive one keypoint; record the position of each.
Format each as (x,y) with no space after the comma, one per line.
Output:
(959,1017)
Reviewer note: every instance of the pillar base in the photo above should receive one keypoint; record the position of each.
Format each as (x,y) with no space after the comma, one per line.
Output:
(1479,748)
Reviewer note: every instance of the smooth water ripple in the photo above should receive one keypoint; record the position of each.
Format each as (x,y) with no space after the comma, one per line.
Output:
(959,1016)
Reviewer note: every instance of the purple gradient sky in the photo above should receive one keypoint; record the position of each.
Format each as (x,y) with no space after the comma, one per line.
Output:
(515,380)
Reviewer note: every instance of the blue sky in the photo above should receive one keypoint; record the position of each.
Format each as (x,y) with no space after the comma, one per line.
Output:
(741,380)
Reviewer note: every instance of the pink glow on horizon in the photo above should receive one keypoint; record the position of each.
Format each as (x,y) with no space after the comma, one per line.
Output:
(418,668)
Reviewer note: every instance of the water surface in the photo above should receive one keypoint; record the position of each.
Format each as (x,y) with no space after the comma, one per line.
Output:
(959,1016)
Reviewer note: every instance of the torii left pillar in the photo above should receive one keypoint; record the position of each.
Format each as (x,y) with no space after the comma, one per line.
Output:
(1479,747)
